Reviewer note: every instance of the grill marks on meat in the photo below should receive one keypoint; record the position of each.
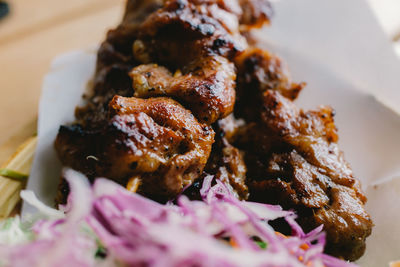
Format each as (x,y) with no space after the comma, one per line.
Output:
(258,71)
(114,61)
(195,39)
(255,13)
(155,140)
(226,162)
(206,87)
(190,29)
(299,165)
(196,28)
(177,34)
(313,133)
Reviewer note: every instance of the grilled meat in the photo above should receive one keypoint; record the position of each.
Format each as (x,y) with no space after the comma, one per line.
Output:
(159,118)
(255,13)
(207,87)
(293,160)
(258,71)
(226,162)
(155,140)
(179,35)
(194,40)
(114,61)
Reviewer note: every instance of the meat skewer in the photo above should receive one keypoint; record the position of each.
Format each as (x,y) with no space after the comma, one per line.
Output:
(141,58)
(179,94)
(293,160)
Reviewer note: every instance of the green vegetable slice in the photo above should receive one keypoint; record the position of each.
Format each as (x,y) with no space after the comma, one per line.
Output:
(261,244)
(13,174)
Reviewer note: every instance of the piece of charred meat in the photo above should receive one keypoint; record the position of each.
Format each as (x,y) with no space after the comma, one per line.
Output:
(293,160)
(226,162)
(192,43)
(259,71)
(183,30)
(206,87)
(178,35)
(255,13)
(154,140)
(189,44)
(114,61)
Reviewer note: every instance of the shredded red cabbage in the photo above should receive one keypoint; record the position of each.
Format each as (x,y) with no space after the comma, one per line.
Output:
(105,225)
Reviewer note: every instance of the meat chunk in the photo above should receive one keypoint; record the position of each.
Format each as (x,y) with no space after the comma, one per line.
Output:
(154,140)
(255,13)
(293,182)
(182,31)
(185,29)
(193,40)
(207,87)
(313,133)
(114,61)
(259,71)
(293,160)
(226,162)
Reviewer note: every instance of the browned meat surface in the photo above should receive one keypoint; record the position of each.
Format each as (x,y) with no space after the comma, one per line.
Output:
(206,87)
(180,35)
(293,160)
(114,61)
(155,140)
(184,30)
(258,71)
(191,40)
(226,162)
(255,13)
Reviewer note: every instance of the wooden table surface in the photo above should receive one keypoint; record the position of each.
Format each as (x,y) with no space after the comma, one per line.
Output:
(32,34)
(37,30)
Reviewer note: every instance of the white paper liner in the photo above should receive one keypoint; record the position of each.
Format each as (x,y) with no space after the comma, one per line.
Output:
(338,49)
(62,91)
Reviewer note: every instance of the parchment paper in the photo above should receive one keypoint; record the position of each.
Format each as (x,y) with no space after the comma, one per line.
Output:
(335,46)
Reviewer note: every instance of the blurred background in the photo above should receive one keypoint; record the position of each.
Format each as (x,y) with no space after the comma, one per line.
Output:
(33,32)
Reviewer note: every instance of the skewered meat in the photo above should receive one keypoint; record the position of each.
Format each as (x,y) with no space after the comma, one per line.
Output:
(114,61)
(191,40)
(226,162)
(156,31)
(185,30)
(255,13)
(169,58)
(258,71)
(155,140)
(294,161)
(207,87)
(195,36)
